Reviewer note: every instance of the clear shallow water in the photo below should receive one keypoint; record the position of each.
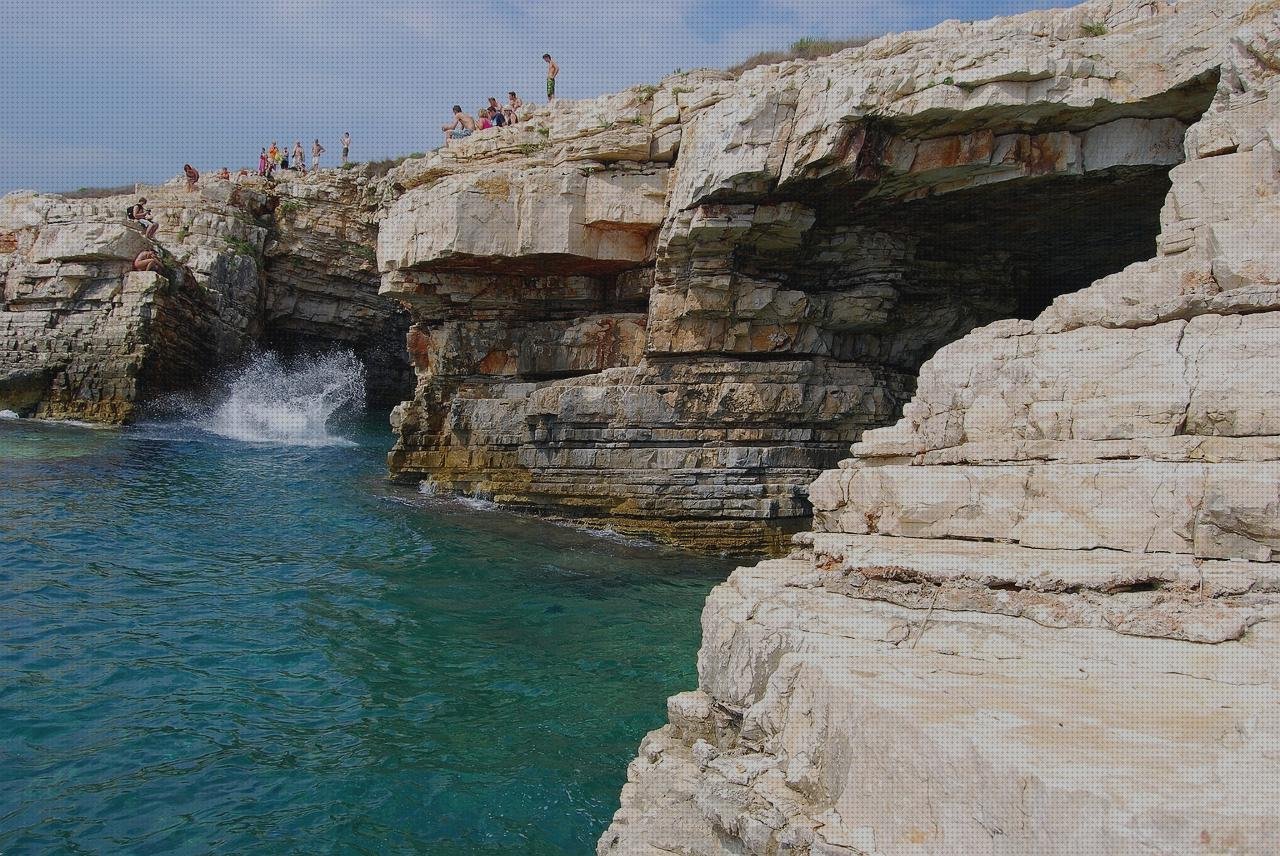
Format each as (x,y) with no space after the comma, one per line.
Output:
(213,646)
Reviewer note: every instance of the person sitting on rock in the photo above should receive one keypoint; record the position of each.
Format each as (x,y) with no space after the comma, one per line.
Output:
(513,104)
(224,174)
(482,120)
(495,113)
(148,261)
(193,176)
(142,216)
(463,126)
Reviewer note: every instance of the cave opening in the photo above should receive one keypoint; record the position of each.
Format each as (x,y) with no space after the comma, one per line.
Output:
(904,278)
(378,344)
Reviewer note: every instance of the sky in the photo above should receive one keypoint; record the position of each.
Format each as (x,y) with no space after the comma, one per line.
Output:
(109,92)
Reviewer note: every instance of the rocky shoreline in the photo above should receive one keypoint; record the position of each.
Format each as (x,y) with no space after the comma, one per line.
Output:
(1038,614)
(1025,269)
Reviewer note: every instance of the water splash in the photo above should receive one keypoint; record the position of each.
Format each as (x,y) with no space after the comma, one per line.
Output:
(270,401)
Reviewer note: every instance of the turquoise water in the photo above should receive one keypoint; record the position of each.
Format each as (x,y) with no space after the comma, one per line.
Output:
(209,646)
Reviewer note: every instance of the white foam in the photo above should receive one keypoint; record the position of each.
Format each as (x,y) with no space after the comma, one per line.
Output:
(8,414)
(274,403)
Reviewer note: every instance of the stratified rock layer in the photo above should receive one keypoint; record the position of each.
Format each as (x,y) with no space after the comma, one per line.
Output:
(732,279)
(246,264)
(321,278)
(1039,613)
(84,337)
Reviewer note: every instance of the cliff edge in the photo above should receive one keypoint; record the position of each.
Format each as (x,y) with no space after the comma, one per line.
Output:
(1038,614)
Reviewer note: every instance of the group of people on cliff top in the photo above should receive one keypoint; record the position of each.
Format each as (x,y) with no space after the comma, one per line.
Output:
(278,158)
(496,115)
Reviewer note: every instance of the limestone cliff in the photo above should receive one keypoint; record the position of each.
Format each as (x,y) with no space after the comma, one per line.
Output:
(248,264)
(668,311)
(1034,615)
(322,282)
(1038,614)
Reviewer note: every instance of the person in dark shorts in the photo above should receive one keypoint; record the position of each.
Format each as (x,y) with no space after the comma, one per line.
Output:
(553,71)
(346,146)
(495,113)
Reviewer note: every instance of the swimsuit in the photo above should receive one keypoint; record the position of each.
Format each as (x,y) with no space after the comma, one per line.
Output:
(551,86)
(460,133)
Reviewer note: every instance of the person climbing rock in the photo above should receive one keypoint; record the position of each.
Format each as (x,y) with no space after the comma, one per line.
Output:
(316,151)
(141,215)
(553,71)
(192,174)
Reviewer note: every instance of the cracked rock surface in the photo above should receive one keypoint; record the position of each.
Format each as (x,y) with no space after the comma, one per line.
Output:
(1038,614)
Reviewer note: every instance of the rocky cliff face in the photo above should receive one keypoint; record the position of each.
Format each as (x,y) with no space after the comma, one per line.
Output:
(321,279)
(84,337)
(247,264)
(668,311)
(1038,614)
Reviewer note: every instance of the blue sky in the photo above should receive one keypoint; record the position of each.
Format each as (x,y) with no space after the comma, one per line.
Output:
(109,92)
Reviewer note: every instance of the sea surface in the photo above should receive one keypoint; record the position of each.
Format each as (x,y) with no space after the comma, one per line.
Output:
(218,636)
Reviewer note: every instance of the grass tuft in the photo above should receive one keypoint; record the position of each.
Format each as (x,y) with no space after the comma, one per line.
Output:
(806,48)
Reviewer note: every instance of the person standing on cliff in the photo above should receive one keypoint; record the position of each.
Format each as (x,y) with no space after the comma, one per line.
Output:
(192,174)
(316,151)
(299,162)
(346,146)
(553,71)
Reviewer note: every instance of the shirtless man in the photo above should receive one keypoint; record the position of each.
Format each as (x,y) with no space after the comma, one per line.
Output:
(346,146)
(142,216)
(147,260)
(192,174)
(553,71)
(316,151)
(463,126)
